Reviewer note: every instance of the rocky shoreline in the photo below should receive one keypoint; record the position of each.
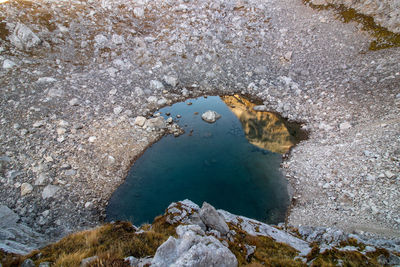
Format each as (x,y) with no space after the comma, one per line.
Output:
(75,76)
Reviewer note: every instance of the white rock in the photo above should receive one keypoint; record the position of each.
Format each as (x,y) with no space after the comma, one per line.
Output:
(55,93)
(23,37)
(61,131)
(138,12)
(38,124)
(389,174)
(26,189)
(8,64)
(260,108)
(101,40)
(117,39)
(162,102)
(41,179)
(172,81)
(156,85)
(118,110)
(46,80)
(193,248)
(140,121)
(155,123)
(74,102)
(210,116)
(49,191)
(92,139)
(152,99)
(344,126)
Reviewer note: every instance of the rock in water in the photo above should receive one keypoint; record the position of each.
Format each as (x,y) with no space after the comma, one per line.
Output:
(210,116)
(193,248)
(211,218)
(24,38)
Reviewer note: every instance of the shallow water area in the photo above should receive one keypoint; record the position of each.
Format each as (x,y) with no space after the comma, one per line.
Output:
(228,163)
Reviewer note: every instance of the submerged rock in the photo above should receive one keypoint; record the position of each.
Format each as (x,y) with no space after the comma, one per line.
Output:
(210,116)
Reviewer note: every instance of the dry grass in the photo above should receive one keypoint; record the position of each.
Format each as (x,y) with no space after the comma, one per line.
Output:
(110,242)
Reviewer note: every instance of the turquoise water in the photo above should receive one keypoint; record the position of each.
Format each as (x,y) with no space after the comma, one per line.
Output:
(210,162)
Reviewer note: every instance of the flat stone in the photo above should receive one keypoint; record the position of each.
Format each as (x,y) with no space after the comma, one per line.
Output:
(49,191)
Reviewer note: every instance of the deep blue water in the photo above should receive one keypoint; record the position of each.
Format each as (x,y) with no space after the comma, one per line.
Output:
(215,163)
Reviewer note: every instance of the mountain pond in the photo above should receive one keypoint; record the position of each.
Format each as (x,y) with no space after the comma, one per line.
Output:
(233,164)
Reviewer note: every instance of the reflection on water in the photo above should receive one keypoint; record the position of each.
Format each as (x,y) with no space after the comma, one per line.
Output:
(265,130)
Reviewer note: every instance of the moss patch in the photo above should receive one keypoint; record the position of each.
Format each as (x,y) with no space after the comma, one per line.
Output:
(383,37)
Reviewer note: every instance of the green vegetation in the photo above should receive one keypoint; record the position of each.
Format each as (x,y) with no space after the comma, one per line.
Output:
(383,37)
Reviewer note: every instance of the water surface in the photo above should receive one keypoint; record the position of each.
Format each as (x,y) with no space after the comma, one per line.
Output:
(210,162)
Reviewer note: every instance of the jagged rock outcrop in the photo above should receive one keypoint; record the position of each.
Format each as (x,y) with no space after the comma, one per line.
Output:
(16,237)
(193,248)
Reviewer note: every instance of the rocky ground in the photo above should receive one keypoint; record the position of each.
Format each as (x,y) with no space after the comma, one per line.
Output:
(76,74)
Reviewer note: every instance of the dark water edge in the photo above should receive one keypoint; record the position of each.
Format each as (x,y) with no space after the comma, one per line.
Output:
(211,162)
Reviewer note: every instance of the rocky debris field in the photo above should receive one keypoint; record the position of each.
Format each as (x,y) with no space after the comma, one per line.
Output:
(81,82)
(187,235)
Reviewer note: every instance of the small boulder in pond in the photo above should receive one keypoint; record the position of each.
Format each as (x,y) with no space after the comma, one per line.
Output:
(210,116)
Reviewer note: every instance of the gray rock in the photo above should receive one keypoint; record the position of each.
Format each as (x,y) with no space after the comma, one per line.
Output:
(49,191)
(55,93)
(193,248)
(344,126)
(28,263)
(210,116)
(211,218)
(24,38)
(118,110)
(26,188)
(7,217)
(8,64)
(45,264)
(101,41)
(88,260)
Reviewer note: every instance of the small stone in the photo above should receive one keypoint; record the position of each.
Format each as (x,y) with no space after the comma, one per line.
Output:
(169,120)
(55,93)
(100,40)
(88,205)
(140,121)
(28,263)
(162,102)
(152,99)
(210,116)
(260,108)
(8,64)
(92,139)
(112,92)
(41,179)
(26,189)
(38,124)
(118,110)
(370,178)
(389,174)
(87,261)
(344,126)
(70,172)
(171,81)
(117,39)
(49,191)
(61,131)
(156,85)
(42,80)
(74,102)
(288,55)
(138,12)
